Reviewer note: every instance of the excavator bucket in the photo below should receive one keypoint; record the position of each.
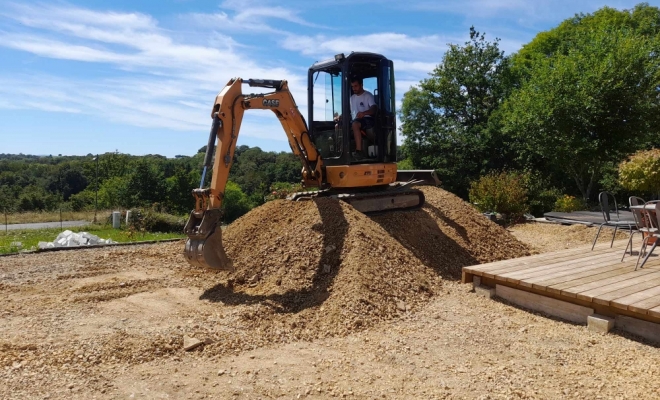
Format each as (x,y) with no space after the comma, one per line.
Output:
(204,245)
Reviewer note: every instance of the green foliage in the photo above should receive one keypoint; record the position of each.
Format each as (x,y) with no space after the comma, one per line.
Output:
(446,121)
(36,198)
(587,93)
(405,164)
(541,194)
(281,190)
(82,201)
(113,193)
(149,220)
(145,184)
(502,192)
(568,203)
(31,183)
(641,172)
(235,203)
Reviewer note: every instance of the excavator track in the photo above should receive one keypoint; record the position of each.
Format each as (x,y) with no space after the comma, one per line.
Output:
(394,199)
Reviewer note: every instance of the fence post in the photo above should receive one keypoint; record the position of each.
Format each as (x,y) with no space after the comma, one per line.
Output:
(61,226)
(6,226)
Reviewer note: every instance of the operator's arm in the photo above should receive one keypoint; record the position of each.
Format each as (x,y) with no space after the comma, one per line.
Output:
(372,106)
(371,111)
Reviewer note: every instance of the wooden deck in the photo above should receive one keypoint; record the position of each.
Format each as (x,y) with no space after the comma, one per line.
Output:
(596,279)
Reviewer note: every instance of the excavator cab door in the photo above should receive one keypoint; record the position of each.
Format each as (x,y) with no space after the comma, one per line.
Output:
(386,112)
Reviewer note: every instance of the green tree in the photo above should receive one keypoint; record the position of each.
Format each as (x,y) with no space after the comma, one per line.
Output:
(235,203)
(114,193)
(179,189)
(146,184)
(445,121)
(588,93)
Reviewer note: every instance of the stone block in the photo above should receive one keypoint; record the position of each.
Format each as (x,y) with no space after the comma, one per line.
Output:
(599,323)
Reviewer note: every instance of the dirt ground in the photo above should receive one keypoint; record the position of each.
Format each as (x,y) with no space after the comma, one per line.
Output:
(113,323)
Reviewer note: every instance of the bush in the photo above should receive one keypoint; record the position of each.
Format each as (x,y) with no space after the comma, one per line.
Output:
(281,190)
(568,203)
(541,196)
(153,221)
(503,192)
(641,172)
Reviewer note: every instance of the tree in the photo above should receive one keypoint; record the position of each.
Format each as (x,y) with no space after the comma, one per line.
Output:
(588,92)
(445,121)
(179,189)
(235,202)
(146,184)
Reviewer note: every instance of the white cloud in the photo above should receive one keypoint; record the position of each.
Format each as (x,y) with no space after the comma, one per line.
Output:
(152,79)
(385,43)
(523,11)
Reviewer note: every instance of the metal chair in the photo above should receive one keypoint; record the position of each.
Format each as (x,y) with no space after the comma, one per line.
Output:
(606,199)
(652,216)
(640,222)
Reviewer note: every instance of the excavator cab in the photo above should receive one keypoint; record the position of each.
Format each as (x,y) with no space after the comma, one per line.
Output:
(329,94)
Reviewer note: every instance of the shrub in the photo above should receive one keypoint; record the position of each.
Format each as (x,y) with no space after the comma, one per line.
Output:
(502,192)
(161,222)
(641,172)
(541,195)
(153,221)
(568,203)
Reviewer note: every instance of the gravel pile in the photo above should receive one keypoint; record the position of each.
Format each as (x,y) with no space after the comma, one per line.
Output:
(320,268)
(448,234)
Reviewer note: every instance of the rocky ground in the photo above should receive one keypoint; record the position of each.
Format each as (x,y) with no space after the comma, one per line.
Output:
(325,302)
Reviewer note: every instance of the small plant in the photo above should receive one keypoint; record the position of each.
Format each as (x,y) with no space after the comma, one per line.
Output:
(502,192)
(568,203)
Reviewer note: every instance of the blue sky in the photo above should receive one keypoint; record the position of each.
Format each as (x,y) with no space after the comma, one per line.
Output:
(140,77)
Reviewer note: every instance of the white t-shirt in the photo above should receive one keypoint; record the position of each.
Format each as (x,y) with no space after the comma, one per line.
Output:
(361,103)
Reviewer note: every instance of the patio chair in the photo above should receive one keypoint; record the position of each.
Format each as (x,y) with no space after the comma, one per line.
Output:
(611,217)
(640,222)
(652,216)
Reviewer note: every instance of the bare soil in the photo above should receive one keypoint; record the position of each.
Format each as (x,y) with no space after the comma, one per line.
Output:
(325,302)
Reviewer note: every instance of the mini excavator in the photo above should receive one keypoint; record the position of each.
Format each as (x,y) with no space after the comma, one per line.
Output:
(370,184)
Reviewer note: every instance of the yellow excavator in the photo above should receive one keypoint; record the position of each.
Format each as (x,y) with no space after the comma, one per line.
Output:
(326,147)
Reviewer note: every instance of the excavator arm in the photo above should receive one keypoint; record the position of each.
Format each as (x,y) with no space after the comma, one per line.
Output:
(204,245)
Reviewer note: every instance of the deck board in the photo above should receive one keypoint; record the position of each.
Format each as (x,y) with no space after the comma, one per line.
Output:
(582,276)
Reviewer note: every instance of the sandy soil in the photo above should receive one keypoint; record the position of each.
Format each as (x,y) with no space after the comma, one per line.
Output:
(112,323)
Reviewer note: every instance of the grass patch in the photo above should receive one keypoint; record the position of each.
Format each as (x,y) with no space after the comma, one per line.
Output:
(30,237)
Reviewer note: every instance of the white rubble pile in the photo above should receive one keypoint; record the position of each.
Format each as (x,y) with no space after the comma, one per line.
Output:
(72,239)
